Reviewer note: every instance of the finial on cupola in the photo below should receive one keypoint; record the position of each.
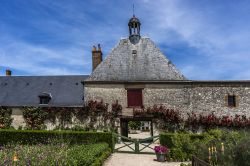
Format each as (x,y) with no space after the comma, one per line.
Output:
(134,29)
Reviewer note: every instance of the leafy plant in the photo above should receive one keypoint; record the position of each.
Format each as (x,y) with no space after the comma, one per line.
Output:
(134,124)
(242,153)
(34,117)
(5,117)
(54,154)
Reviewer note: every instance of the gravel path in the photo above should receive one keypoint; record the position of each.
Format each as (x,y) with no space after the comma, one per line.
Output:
(124,159)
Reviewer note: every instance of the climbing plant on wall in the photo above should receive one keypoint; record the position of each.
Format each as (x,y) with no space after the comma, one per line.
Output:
(5,117)
(93,115)
(63,114)
(172,119)
(165,118)
(34,117)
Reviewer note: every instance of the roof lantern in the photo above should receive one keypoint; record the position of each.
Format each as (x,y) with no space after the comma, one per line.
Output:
(134,30)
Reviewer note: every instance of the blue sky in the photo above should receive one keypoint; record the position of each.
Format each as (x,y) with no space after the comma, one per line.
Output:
(206,39)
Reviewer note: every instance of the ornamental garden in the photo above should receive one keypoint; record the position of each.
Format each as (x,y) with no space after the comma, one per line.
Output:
(214,140)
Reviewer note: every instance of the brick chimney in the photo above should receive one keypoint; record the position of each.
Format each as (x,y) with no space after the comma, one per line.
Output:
(8,72)
(96,56)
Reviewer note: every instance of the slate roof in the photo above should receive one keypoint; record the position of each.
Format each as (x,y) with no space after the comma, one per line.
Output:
(24,90)
(140,62)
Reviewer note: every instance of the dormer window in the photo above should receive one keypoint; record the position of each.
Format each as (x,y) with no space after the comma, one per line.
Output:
(45,98)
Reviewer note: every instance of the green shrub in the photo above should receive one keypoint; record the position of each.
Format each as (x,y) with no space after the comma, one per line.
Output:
(60,154)
(177,154)
(99,161)
(5,117)
(181,145)
(242,153)
(184,145)
(134,125)
(92,155)
(166,139)
(43,136)
(34,117)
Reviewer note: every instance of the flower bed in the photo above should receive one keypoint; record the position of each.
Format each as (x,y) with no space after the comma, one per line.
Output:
(223,147)
(54,154)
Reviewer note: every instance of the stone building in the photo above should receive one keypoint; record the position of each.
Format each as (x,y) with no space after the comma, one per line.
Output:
(39,91)
(136,74)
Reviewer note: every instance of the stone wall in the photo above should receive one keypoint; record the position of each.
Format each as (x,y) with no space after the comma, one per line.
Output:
(200,98)
(99,124)
(18,120)
(107,93)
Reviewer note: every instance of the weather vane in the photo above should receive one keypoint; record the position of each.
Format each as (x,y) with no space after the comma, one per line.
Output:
(133,10)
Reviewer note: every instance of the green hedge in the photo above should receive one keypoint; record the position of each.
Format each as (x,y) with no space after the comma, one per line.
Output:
(93,155)
(167,139)
(42,136)
(180,145)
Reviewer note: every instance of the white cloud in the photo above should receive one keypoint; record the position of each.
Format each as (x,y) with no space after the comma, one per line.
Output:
(38,60)
(221,47)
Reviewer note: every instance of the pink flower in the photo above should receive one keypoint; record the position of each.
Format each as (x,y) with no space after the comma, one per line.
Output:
(161,149)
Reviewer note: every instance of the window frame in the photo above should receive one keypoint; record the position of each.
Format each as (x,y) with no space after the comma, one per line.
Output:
(231,101)
(44,98)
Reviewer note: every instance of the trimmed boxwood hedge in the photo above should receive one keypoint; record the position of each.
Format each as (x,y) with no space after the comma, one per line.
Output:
(166,139)
(180,144)
(43,136)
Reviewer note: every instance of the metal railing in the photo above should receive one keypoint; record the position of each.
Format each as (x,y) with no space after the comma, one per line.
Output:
(135,145)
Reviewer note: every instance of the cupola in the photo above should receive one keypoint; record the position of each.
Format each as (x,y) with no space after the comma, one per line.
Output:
(134,30)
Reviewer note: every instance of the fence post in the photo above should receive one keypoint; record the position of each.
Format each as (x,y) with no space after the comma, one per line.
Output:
(137,147)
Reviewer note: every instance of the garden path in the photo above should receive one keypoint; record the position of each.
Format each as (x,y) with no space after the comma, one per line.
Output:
(124,159)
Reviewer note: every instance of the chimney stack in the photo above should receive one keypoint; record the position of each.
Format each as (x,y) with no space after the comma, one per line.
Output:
(8,72)
(96,56)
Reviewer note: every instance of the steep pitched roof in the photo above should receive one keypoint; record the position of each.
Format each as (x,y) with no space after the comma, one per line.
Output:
(25,90)
(142,61)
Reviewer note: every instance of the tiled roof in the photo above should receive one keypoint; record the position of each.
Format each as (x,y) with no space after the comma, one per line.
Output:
(25,90)
(140,62)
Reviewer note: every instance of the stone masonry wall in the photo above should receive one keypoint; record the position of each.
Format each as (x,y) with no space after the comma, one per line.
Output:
(109,94)
(99,124)
(186,98)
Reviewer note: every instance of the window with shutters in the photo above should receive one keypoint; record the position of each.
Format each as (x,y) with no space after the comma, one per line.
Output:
(231,101)
(134,97)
